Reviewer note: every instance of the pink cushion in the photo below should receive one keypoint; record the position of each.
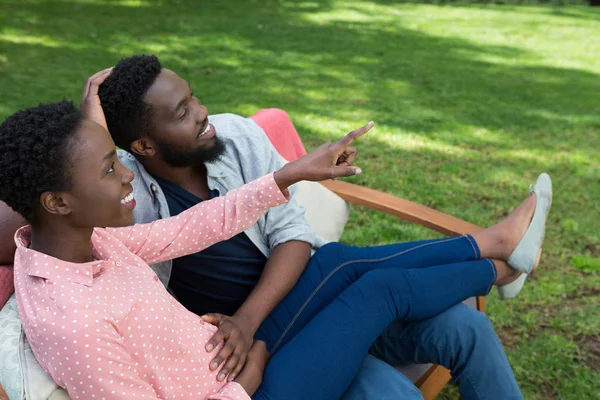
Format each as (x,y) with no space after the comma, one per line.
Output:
(281,132)
(7,287)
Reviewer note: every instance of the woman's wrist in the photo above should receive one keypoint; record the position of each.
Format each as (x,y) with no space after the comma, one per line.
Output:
(251,376)
(285,177)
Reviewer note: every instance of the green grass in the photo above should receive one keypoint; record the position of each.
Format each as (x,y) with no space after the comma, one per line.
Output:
(471,102)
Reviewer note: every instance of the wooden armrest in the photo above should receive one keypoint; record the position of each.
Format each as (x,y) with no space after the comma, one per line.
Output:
(3,395)
(400,208)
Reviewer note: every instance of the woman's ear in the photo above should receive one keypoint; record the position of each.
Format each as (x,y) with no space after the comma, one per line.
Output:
(55,203)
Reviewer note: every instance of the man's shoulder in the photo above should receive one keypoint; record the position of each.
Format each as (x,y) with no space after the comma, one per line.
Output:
(128,160)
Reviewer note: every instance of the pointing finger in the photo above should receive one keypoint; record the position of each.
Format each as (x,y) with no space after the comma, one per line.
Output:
(352,136)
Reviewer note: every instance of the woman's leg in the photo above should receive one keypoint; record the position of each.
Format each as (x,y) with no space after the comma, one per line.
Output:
(322,359)
(336,266)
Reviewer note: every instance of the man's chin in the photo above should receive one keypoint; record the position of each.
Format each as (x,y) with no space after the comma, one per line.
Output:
(204,153)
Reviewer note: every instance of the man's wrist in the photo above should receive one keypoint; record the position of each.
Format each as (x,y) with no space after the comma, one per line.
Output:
(246,321)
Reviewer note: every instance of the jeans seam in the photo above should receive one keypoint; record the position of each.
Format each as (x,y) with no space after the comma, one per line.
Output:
(495,274)
(340,266)
(473,245)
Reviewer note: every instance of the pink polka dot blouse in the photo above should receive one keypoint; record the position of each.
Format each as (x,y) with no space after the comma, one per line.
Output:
(108,329)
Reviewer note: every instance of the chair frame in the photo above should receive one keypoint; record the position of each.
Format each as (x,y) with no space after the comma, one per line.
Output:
(434,380)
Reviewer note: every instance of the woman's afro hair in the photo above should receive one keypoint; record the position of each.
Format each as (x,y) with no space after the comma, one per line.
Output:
(34,154)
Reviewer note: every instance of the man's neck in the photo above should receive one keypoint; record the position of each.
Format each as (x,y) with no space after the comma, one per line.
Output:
(193,179)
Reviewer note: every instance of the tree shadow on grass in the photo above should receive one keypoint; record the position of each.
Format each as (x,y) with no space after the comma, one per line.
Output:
(469,99)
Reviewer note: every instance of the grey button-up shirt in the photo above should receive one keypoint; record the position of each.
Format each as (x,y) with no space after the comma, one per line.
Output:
(249,155)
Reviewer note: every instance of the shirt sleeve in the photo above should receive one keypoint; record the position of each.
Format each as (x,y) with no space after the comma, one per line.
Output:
(231,391)
(288,222)
(204,224)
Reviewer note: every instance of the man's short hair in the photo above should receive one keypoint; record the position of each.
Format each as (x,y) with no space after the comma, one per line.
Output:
(128,116)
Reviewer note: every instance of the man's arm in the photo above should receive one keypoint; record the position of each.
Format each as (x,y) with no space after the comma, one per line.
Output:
(10,221)
(282,271)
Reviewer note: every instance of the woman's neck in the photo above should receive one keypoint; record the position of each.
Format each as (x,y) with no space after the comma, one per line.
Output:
(64,243)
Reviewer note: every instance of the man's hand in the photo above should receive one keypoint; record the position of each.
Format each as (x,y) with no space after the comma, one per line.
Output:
(90,102)
(237,337)
(251,376)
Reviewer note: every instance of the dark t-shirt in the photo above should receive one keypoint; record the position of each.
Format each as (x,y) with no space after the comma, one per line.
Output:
(219,278)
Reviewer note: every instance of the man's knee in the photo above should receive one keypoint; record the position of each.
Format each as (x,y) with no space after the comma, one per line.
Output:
(379,380)
(460,330)
(465,326)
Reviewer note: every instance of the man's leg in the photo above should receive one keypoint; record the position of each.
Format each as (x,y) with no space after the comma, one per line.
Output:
(379,380)
(462,340)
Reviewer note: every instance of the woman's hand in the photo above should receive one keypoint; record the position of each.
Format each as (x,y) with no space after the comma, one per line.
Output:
(329,161)
(90,102)
(237,341)
(251,376)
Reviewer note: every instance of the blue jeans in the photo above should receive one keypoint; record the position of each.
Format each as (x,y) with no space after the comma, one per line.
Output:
(461,339)
(321,332)
(378,380)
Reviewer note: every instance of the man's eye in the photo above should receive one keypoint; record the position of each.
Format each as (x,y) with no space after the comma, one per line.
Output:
(111,169)
(185,112)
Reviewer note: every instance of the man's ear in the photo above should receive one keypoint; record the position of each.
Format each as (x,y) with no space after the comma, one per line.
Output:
(55,203)
(143,147)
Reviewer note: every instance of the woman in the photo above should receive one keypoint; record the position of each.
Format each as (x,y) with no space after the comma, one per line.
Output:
(103,326)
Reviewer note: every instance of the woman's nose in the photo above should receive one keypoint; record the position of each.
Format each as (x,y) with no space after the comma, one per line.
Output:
(127,176)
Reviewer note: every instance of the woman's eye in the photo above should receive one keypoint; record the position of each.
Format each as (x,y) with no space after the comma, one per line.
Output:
(111,169)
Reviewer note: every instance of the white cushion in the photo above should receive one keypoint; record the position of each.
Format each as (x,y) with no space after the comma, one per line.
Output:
(37,383)
(326,212)
(21,376)
(11,376)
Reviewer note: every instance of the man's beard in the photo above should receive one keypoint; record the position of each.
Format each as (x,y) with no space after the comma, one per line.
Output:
(178,158)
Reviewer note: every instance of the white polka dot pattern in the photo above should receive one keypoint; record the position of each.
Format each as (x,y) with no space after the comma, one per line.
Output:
(108,329)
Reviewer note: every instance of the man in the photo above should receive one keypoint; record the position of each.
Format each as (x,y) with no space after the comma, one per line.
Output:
(181,157)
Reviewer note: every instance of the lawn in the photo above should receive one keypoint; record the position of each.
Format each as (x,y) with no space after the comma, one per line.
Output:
(471,103)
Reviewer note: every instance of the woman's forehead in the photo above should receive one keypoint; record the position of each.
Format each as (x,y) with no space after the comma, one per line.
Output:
(92,145)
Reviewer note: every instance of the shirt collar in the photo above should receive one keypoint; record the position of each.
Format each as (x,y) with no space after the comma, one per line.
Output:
(44,266)
(216,169)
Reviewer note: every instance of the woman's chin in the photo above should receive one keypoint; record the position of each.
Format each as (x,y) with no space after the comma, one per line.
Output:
(125,220)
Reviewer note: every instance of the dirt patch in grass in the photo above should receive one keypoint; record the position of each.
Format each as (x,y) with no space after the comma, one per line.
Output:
(592,250)
(590,347)
(547,392)
(510,337)
(585,292)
